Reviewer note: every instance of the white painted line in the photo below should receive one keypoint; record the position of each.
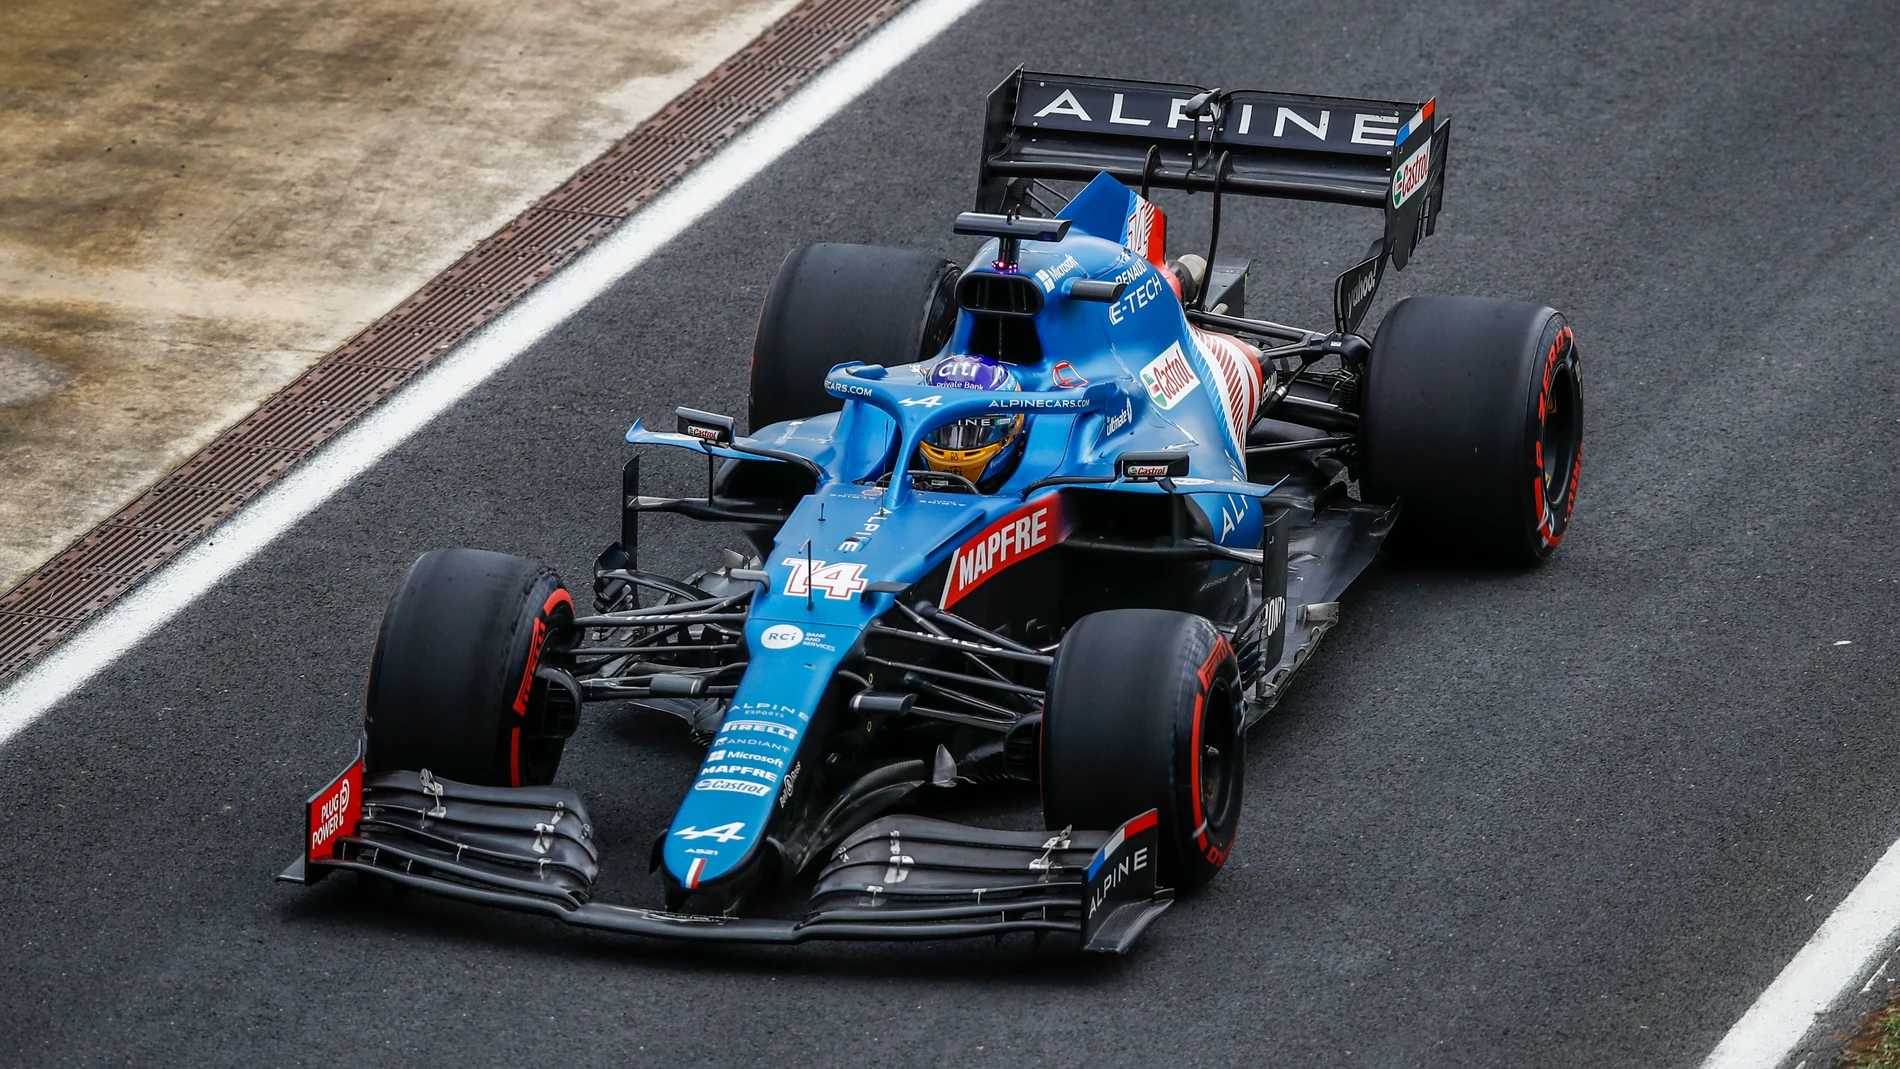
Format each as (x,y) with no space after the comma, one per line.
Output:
(1849,942)
(1875,978)
(170,589)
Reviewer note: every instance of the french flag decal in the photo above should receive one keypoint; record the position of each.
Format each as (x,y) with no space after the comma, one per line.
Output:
(1422,119)
(1122,834)
(692,873)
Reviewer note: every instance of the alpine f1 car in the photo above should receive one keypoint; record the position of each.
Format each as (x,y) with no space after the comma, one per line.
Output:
(1067,517)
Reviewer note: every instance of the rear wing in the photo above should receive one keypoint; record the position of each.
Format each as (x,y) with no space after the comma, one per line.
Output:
(1162,135)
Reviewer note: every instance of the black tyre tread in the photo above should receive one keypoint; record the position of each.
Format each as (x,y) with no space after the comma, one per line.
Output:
(833,302)
(1121,695)
(1448,424)
(450,659)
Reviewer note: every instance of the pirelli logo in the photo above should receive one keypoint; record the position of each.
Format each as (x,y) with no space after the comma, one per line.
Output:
(1016,537)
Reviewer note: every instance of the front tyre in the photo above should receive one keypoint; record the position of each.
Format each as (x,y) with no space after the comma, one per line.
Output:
(452,684)
(1473,422)
(1144,712)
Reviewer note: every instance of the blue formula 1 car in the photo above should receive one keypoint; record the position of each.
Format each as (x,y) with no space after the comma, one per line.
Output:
(1067,517)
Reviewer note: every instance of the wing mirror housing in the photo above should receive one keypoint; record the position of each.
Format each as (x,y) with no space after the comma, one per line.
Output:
(1151,467)
(1011,231)
(709,427)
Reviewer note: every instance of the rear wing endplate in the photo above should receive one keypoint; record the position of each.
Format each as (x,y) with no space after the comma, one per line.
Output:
(1161,135)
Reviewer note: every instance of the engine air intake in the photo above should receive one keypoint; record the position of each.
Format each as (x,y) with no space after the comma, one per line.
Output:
(1003,295)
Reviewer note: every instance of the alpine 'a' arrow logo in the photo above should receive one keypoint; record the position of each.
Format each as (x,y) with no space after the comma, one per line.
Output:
(724,833)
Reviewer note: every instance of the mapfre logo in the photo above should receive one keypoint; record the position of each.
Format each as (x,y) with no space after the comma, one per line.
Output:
(1169,378)
(1016,537)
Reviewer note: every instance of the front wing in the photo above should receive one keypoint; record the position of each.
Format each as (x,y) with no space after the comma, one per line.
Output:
(531,850)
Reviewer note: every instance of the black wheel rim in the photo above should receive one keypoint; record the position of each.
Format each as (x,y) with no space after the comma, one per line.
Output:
(1220,746)
(1561,437)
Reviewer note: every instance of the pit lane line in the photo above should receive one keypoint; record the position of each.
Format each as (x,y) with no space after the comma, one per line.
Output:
(251,530)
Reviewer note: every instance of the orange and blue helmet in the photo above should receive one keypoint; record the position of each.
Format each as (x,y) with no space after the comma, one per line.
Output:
(983,448)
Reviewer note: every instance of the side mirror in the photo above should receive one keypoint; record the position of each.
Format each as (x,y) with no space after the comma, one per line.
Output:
(1151,467)
(1011,231)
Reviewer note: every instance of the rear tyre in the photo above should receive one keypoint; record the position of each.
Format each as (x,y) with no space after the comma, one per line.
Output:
(1144,712)
(1473,422)
(451,684)
(833,303)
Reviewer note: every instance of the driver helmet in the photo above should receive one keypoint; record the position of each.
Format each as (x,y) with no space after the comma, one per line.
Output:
(982,449)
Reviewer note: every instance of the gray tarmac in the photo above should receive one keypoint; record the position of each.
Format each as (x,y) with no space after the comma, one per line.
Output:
(1575,816)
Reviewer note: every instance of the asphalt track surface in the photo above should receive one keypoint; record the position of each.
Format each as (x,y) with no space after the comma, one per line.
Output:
(1575,816)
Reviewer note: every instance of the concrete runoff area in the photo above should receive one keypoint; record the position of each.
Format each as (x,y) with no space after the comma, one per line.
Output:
(200,199)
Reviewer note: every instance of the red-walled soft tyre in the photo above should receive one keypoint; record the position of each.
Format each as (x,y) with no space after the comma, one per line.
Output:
(1472,420)
(1145,712)
(451,683)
